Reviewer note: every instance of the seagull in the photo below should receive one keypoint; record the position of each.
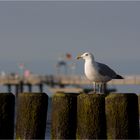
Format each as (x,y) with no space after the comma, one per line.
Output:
(96,72)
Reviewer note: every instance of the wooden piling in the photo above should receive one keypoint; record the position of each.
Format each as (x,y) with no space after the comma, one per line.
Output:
(91,122)
(9,88)
(122,116)
(40,87)
(64,109)
(139,104)
(16,89)
(31,115)
(7,108)
(29,87)
(21,87)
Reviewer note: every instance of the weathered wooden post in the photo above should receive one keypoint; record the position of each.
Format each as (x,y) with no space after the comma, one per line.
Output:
(7,108)
(122,116)
(21,87)
(16,89)
(9,88)
(31,115)
(139,104)
(91,122)
(29,87)
(64,109)
(40,87)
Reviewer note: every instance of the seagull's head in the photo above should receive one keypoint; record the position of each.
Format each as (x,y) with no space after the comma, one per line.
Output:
(86,56)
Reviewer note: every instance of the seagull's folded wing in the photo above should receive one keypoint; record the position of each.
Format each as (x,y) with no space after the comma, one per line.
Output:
(106,70)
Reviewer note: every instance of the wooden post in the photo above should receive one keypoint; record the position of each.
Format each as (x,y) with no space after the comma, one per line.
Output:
(29,87)
(139,104)
(40,87)
(31,115)
(16,89)
(91,122)
(122,116)
(21,87)
(64,108)
(7,108)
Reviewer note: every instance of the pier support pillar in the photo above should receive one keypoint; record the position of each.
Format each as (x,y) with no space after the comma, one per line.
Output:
(16,89)
(29,87)
(9,88)
(21,87)
(40,87)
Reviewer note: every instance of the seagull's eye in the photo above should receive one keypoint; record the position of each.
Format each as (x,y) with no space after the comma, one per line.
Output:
(86,54)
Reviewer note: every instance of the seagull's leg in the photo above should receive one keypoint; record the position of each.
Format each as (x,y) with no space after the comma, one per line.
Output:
(94,87)
(103,88)
(97,85)
(101,91)
(100,87)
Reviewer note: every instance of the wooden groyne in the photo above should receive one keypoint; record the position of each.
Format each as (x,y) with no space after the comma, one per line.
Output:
(31,114)
(74,116)
(98,117)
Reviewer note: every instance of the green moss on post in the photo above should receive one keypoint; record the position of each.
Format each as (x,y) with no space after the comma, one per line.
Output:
(64,109)
(7,107)
(122,116)
(91,122)
(31,115)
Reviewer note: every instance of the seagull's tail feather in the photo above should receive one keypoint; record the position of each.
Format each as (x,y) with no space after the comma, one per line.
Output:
(119,77)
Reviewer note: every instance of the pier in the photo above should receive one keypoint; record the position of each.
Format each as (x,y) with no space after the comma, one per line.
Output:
(57,82)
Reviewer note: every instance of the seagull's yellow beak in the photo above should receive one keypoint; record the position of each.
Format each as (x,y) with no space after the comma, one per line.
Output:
(79,57)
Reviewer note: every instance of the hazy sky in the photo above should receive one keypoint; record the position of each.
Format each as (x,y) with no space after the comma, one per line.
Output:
(37,33)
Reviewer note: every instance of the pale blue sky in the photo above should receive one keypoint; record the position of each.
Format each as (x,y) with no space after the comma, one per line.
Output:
(37,33)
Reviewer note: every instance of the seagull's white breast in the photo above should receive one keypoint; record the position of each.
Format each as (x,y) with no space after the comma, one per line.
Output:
(92,72)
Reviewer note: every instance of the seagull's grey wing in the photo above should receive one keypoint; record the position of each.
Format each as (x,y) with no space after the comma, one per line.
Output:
(105,70)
